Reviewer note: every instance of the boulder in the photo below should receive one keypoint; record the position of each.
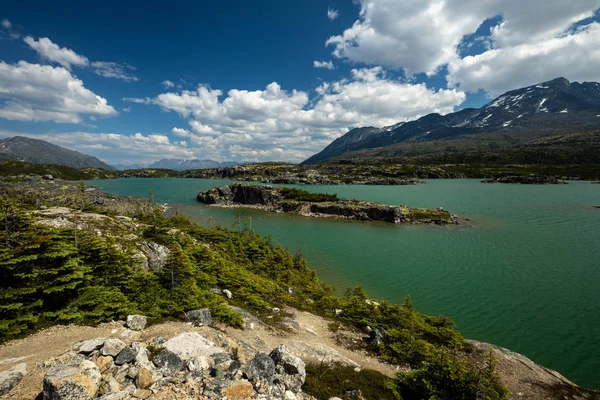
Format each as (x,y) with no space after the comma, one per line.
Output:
(88,346)
(260,367)
(156,255)
(112,347)
(291,367)
(227,293)
(189,345)
(11,378)
(168,362)
(199,317)
(76,381)
(144,378)
(136,322)
(126,356)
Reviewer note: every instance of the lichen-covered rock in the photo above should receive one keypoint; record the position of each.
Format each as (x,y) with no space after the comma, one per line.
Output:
(76,381)
(144,378)
(168,362)
(121,395)
(156,255)
(136,322)
(199,317)
(112,347)
(292,367)
(260,367)
(11,378)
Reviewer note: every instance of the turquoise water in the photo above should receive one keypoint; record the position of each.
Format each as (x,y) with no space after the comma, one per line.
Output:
(524,273)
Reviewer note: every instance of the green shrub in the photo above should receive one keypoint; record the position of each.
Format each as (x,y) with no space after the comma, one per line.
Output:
(303,195)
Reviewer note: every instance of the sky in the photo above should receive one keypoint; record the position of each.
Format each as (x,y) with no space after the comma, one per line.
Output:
(134,82)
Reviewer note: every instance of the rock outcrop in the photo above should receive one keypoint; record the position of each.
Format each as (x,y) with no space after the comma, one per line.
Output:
(276,199)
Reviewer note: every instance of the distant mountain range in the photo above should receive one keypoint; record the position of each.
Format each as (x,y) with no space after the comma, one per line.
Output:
(183,165)
(37,151)
(547,109)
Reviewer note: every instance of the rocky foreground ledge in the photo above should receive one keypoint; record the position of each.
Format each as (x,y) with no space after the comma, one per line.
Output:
(282,199)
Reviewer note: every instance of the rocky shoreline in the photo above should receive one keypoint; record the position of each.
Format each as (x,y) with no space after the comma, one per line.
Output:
(532,179)
(279,199)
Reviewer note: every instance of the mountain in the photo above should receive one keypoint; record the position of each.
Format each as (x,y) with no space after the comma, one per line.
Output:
(36,151)
(549,108)
(123,167)
(183,165)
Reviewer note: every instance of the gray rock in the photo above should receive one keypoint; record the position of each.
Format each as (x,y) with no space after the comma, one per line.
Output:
(199,317)
(11,378)
(168,362)
(189,345)
(227,293)
(376,338)
(76,381)
(216,291)
(89,346)
(112,347)
(136,322)
(156,254)
(126,356)
(260,367)
(122,395)
(293,368)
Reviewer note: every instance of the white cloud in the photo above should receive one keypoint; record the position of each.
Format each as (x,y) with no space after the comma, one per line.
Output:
(332,14)
(114,148)
(324,64)
(36,92)
(575,56)
(110,69)
(6,24)
(52,52)
(277,124)
(168,84)
(423,35)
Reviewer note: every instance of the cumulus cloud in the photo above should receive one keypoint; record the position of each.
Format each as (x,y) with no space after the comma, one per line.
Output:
(423,35)
(113,148)
(110,69)
(277,124)
(52,52)
(576,56)
(324,64)
(36,92)
(332,14)
(168,84)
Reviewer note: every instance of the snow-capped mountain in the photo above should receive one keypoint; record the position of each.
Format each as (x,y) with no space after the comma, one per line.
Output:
(182,165)
(556,106)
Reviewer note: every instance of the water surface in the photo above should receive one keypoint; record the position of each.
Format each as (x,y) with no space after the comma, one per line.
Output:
(525,274)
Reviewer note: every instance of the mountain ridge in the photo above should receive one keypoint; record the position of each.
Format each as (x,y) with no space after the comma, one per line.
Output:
(553,107)
(36,151)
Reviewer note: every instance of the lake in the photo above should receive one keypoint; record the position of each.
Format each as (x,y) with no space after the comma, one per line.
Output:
(523,273)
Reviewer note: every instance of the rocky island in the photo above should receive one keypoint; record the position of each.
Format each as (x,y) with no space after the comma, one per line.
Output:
(531,179)
(288,200)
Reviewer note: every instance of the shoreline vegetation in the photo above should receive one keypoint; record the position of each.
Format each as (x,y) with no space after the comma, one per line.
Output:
(346,173)
(296,201)
(74,256)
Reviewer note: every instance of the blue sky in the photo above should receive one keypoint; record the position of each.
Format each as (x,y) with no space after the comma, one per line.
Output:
(133,82)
